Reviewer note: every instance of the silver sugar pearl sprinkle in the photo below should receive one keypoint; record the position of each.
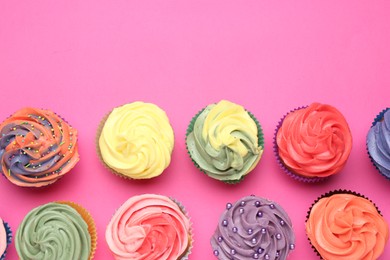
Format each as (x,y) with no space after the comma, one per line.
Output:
(241,210)
(235,230)
(282,222)
(220,239)
(250,231)
(260,250)
(278,236)
(255,256)
(259,214)
(263,231)
(292,246)
(257,203)
(229,206)
(272,206)
(254,240)
(233,252)
(242,203)
(266,256)
(216,253)
(224,223)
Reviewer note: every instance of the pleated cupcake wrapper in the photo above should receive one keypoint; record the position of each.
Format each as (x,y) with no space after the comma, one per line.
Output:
(45,185)
(9,238)
(328,194)
(260,142)
(289,172)
(185,255)
(90,222)
(377,119)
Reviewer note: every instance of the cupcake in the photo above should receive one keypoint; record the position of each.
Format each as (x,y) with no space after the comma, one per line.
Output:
(378,142)
(346,225)
(253,228)
(5,238)
(37,147)
(225,141)
(313,142)
(150,227)
(57,230)
(136,141)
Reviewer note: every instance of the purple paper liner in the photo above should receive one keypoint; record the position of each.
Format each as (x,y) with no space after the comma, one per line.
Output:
(190,128)
(328,194)
(377,119)
(293,175)
(9,238)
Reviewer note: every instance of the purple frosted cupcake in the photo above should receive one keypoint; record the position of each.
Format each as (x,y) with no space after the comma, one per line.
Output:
(253,228)
(378,142)
(5,238)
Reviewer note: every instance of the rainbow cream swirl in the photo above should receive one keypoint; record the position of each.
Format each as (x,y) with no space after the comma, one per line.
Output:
(224,141)
(346,226)
(149,227)
(37,147)
(137,140)
(253,228)
(53,231)
(314,141)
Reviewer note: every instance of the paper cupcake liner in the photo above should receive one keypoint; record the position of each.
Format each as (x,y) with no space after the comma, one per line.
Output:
(90,222)
(260,142)
(328,194)
(290,173)
(377,119)
(9,238)
(48,184)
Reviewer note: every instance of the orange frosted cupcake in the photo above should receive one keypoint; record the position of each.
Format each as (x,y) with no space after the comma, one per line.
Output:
(37,147)
(346,225)
(313,142)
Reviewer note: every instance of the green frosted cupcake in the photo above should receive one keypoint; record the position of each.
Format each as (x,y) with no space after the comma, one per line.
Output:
(225,141)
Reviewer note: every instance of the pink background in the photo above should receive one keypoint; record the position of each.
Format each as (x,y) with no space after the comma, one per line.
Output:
(82,58)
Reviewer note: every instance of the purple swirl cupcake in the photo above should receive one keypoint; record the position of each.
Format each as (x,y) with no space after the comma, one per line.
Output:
(378,142)
(253,228)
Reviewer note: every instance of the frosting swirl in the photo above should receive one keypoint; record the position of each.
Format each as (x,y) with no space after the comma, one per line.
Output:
(37,147)
(137,140)
(314,141)
(378,143)
(148,227)
(53,231)
(224,142)
(3,238)
(346,226)
(253,228)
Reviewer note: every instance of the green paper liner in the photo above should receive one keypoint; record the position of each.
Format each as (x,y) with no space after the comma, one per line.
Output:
(377,119)
(329,194)
(260,142)
(8,232)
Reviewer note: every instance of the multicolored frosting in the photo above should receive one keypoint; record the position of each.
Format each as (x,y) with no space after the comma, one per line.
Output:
(378,143)
(3,238)
(54,231)
(137,140)
(253,228)
(314,141)
(223,141)
(346,226)
(37,147)
(149,227)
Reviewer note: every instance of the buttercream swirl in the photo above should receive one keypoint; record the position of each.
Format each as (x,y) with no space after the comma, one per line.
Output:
(224,141)
(137,140)
(346,226)
(314,141)
(37,147)
(148,227)
(253,228)
(3,238)
(53,231)
(378,143)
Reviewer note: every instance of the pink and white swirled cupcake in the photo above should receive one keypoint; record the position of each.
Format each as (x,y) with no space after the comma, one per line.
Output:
(313,142)
(150,226)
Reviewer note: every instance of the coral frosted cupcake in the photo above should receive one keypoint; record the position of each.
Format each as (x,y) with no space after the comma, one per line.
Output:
(150,227)
(346,225)
(57,230)
(136,141)
(253,228)
(313,142)
(225,141)
(5,238)
(37,147)
(378,142)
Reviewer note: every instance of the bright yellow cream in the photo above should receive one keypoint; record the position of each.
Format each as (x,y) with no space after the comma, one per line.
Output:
(137,140)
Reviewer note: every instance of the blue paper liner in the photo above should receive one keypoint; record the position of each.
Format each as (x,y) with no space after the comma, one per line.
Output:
(260,142)
(290,173)
(377,119)
(9,238)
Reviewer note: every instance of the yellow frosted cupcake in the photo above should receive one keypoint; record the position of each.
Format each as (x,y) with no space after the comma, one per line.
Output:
(136,141)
